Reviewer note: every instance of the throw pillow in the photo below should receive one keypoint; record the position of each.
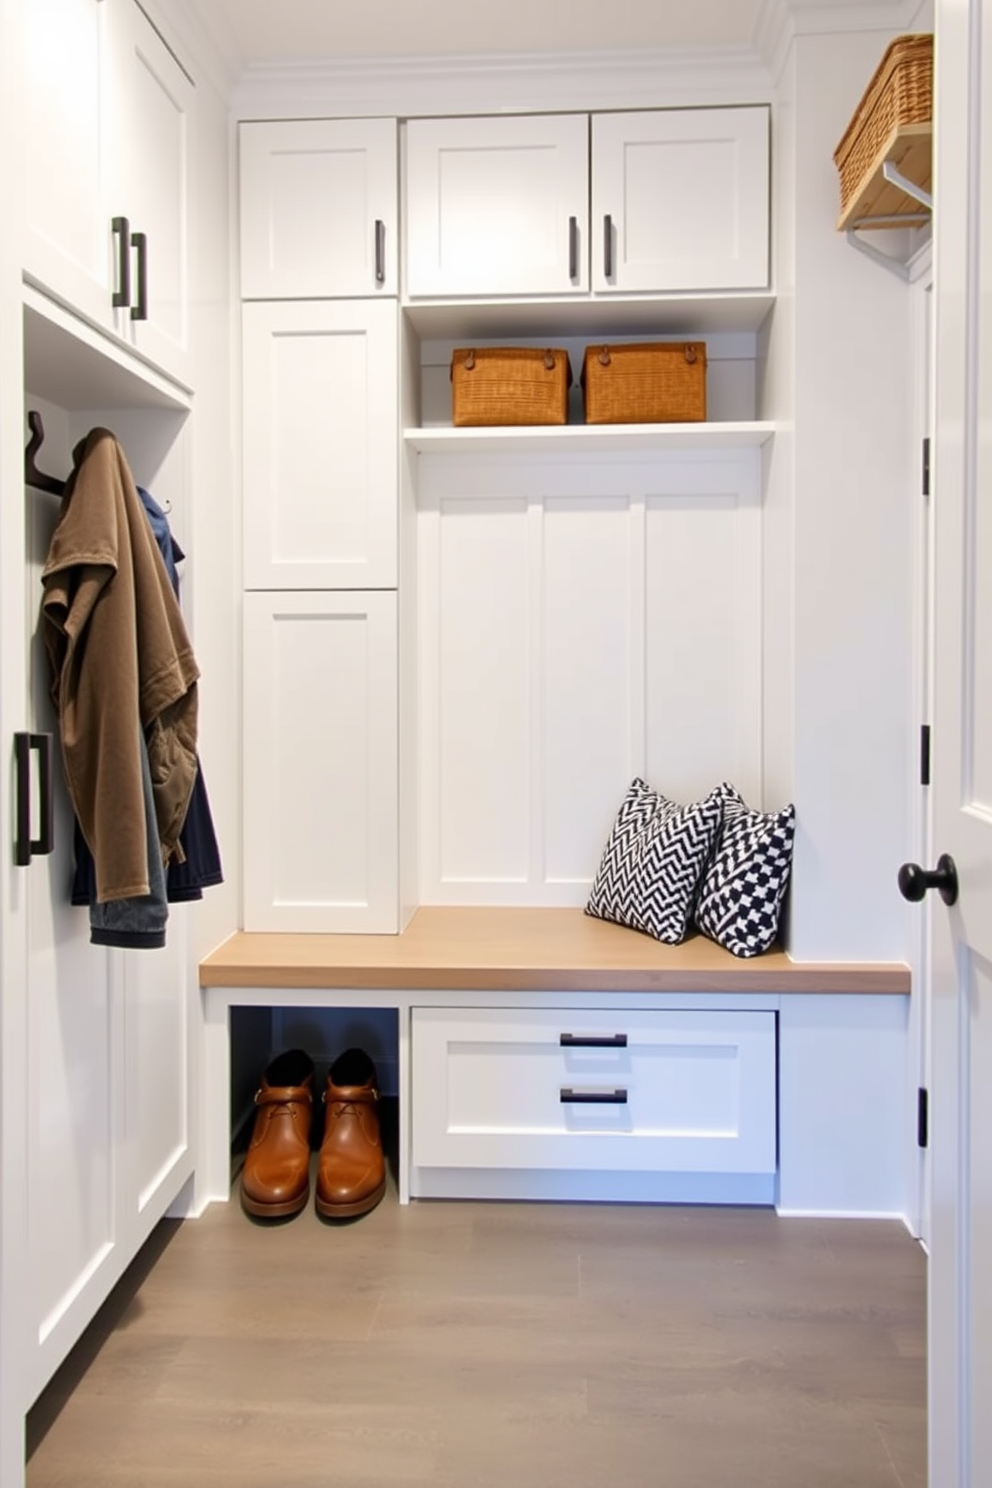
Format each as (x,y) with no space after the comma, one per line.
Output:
(653,862)
(740,899)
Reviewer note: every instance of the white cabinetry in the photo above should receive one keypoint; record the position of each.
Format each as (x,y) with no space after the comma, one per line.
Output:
(501,206)
(592,1090)
(318,208)
(680,200)
(320,762)
(497,206)
(320,444)
(106,162)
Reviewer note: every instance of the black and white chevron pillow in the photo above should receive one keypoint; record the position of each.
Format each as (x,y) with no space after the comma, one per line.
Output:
(653,862)
(740,899)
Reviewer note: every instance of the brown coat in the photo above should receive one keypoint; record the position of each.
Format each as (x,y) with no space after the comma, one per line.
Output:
(120,656)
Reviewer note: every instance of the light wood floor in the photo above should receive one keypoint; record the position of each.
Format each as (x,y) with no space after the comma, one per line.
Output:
(480,1345)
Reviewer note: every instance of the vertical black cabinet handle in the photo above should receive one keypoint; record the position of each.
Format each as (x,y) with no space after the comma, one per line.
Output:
(380,251)
(121,229)
(592,1040)
(140,242)
(573,247)
(26,846)
(608,246)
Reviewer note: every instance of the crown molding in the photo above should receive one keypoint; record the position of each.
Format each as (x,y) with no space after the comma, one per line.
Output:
(781,21)
(504,82)
(203,45)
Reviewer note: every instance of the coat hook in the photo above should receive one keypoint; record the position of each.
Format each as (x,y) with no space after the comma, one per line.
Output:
(32,475)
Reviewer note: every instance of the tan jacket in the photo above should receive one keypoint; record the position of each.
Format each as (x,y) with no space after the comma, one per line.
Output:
(120,656)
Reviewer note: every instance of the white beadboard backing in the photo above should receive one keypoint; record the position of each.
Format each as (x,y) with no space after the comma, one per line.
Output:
(580,622)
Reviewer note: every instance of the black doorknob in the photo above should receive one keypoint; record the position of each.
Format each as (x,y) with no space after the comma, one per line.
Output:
(914,881)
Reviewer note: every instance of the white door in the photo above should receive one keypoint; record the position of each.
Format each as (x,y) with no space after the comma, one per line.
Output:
(320,444)
(497,206)
(153,97)
(961,1128)
(318,208)
(320,762)
(68,246)
(680,200)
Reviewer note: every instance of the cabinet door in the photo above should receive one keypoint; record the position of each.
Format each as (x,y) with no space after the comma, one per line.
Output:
(318,208)
(320,444)
(154,98)
(680,200)
(320,762)
(497,206)
(68,247)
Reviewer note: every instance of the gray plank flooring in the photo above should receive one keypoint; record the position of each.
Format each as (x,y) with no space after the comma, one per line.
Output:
(473,1345)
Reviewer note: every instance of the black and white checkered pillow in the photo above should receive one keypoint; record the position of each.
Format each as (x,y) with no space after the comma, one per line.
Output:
(740,899)
(653,861)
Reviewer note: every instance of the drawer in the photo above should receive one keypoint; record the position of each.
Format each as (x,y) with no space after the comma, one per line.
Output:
(617,1089)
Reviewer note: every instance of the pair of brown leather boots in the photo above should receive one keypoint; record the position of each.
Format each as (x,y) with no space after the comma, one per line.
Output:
(351,1173)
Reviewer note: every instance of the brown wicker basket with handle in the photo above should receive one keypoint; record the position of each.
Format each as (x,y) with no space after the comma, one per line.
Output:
(898,102)
(509,385)
(648,382)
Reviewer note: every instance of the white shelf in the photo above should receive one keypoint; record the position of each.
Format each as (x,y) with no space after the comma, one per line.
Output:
(597,316)
(588,438)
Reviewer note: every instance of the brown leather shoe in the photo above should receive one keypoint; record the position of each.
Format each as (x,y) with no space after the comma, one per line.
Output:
(275,1179)
(351,1176)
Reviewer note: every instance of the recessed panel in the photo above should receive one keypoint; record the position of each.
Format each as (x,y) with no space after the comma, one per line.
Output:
(324,179)
(485,665)
(587,661)
(319,420)
(498,207)
(661,188)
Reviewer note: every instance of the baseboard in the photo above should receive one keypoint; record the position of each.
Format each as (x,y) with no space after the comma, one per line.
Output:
(889,1214)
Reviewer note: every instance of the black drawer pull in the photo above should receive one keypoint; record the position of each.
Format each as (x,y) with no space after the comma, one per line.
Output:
(140,243)
(607,247)
(26,847)
(573,247)
(593,1097)
(380,251)
(593,1040)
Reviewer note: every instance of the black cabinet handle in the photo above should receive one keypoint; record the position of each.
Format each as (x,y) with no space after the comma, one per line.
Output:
(140,243)
(593,1097)
(573,247)
(25,846)
(593,1040)
(608,246)
(380,251)
(121,229)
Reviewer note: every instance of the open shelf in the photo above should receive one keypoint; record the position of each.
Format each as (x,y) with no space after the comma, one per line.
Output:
(592,316)
(589,438)
(882,200)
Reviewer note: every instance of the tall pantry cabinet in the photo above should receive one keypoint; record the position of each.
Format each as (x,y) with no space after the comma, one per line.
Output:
(110,146)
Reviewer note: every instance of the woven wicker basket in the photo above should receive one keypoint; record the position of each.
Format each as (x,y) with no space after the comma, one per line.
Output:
(899,97)
(657,382)
(509,385)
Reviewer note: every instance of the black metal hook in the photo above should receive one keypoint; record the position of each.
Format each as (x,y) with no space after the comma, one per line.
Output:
(32,475)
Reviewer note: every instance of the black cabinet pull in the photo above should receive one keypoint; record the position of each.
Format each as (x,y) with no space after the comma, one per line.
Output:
(608,246)
(593,1097)
(380,251)
(593,1040)
(573,247)
(25,846)
(140,242)
(121,229)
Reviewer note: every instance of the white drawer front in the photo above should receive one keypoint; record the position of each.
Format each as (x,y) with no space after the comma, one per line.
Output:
(674,1092)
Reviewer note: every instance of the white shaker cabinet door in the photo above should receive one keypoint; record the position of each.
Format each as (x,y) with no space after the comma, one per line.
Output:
(320,762)
(151,183)
(318,208)
(680,200)
(68,247)
(497,206)
(320,444)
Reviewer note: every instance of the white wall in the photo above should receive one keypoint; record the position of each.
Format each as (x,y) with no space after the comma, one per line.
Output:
(855,482)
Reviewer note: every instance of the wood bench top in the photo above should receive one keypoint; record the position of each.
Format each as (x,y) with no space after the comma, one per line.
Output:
(555,950)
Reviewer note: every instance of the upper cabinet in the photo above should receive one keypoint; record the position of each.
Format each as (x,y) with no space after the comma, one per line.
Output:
(106,161)
(497,206)
(318,209)
(676,200)
(680,200)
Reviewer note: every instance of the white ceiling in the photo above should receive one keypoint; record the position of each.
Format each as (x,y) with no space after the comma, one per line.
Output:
(283,31)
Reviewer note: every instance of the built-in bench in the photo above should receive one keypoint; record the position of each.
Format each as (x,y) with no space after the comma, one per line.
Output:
(545,1054)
